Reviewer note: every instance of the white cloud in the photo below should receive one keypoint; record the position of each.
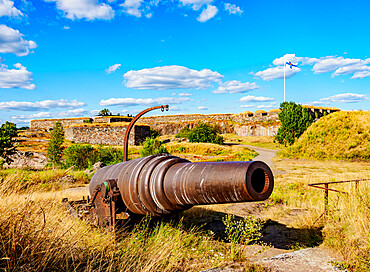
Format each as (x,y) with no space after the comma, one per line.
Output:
(233,9)
(185,94)
(346,98)
(112,68)
(251,98)
(248,106)
(235,86)
(7,9)
(15,78)
(11,41)
(268,106)
(66,27)
(171,77)
(294,60)
(142,101)
(73,113)
(208,13)
(196,4)
(84,9)
(361,74)
(330,64)
(277,72)
(132,7)
(202,108)
(38,105)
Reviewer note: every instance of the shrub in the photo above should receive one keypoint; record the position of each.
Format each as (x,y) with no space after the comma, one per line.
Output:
(8,132)
(204,133)
(154,133)
(152,146)
(108,155)
(294,121)
(79,156)
(55,149)
(183,133)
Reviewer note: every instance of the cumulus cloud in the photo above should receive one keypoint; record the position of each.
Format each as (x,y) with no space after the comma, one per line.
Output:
(15,78)
(196,4)
(330,64)
(7,9)
(277,72)
(171,77)
(11,41)
(233,9)
(132,7)
(84,9)
(247,106)
(207,13)
(235,86)
(251,98)
(294,60)
(338,65)
(112,68)
(202,108)
(346,98)
(40,105)
(361,74)
(142,101)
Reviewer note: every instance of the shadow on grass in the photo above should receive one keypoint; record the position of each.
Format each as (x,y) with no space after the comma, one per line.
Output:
(273,233)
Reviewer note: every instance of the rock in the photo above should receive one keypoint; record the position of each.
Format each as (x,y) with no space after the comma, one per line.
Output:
(97,166)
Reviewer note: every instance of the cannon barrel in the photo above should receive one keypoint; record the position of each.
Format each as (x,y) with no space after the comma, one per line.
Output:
(164,184)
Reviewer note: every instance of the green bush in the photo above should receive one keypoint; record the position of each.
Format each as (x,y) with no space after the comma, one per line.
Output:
(183,133)
(294,121)
(154,133)
(152,146)
(80,156)
(108,155)
(205,133)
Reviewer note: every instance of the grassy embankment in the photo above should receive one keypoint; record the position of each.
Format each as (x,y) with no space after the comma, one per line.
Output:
(342,140)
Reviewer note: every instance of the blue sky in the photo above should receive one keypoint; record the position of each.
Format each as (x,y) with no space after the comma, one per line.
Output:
(71,58)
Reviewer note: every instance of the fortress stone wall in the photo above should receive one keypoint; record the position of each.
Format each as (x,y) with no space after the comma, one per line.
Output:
(106,135)
(47,124)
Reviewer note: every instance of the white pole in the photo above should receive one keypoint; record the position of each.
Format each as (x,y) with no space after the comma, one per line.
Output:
(284,79)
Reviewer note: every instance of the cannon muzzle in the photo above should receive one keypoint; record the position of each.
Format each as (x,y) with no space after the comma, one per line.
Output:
(164,184)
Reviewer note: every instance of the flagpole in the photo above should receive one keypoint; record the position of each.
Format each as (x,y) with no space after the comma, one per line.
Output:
(284,79)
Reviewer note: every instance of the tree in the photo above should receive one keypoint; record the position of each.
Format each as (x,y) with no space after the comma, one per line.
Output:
(294,121)
(55,149)
(205,133)
(8,132)
(104,112)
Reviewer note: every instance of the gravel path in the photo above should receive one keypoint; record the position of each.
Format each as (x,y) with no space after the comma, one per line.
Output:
(266,155)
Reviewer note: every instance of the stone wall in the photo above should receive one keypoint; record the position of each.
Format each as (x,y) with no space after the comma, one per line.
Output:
(256,130)
(111,119)
(106,135)
(47,124)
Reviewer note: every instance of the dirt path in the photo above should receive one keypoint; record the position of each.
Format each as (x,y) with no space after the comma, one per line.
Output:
(266,155)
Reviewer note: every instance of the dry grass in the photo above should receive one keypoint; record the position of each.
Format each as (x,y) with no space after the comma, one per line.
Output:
(37,234)
(340,135)
(347,227)
(259,141)
(210,152)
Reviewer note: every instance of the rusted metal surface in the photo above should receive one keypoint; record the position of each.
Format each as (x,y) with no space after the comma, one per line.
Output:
(164,184)
(132,123)
(327,189)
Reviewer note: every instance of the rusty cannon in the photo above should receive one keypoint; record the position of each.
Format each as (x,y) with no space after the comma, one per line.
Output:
(160,185)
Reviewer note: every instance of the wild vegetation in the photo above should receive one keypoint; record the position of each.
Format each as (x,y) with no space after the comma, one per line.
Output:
(8,132)
(340,135)
(203,133)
